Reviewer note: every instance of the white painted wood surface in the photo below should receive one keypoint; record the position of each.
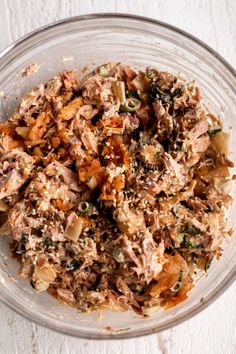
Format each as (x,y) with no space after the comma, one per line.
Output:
(214,330)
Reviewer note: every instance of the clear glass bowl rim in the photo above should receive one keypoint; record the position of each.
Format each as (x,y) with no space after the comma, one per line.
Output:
(232,273)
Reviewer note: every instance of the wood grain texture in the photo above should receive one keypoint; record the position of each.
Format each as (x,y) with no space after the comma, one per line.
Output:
(212,331)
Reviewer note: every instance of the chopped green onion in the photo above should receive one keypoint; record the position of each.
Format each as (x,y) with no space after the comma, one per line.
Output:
(149,310)
(176,287)
(103,71)
(131,105)
(120,91)
(131,93)
(213,131)
(84,207)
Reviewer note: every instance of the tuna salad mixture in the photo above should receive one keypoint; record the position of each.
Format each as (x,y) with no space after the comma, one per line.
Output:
(114,188)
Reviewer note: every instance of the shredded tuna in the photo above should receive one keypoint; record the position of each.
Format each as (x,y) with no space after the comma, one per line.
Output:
(113,190)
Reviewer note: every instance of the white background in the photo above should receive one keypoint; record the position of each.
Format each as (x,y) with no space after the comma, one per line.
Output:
(214,330)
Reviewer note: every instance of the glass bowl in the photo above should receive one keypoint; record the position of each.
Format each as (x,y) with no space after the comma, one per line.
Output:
(92,40)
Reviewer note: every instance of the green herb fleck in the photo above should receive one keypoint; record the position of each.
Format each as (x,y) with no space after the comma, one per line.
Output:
(83,241)
(47,243)
(21,246)
(190,229)
(214,131)
(156,94)
(191,245)
(72,265)
(178,92)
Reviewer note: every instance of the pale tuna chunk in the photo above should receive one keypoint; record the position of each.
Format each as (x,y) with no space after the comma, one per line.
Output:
(11,183)
(16,168)
(129,220)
